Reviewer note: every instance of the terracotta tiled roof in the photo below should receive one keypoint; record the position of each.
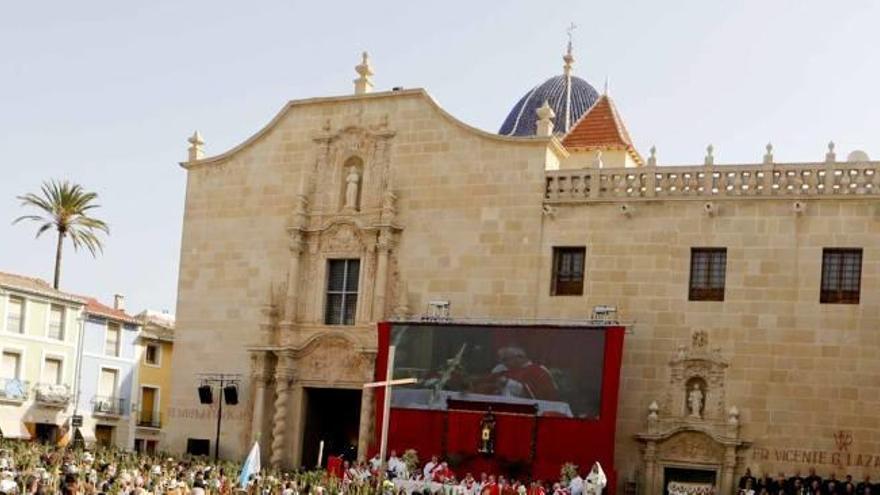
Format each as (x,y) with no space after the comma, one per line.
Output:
(600,128)
(35,286)
(95,307)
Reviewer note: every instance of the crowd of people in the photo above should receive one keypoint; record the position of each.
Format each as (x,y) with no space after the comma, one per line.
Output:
(37,469)
(436,476)
(811,484)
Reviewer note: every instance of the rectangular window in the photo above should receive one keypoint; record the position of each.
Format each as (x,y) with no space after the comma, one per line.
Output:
(568,271)
(52,371)
(15,315)
(708,274)
(111,345)
(342,291)
(11,365)
(841,276)
(151,354)
(107,383)
(56,322)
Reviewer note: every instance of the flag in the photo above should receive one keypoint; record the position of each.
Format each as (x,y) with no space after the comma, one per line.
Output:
(251,466)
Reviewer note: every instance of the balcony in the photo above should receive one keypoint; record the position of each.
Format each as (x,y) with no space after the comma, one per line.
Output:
(109,406)
(52,395)
(14,390)
(148,419)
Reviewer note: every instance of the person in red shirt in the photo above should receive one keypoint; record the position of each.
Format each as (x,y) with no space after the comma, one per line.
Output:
(520,377)
(535,488)
(442,473)
(507,488)
(490,487)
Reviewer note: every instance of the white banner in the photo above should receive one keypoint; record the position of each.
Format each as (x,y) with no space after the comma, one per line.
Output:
(683,488)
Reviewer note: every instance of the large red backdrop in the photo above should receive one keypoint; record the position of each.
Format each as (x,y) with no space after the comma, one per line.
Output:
(454,434)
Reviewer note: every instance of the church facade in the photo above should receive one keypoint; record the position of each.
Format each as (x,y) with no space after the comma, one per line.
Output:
(750,290)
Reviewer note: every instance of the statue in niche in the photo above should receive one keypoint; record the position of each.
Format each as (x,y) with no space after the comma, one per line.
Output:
(695,401)
(352,184)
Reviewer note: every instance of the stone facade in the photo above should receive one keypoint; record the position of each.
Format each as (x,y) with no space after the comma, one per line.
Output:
(445,211)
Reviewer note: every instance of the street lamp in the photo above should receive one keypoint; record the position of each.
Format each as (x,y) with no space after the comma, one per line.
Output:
(227,385)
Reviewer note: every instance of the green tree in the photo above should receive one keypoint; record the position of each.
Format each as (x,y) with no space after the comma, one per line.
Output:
(66,207)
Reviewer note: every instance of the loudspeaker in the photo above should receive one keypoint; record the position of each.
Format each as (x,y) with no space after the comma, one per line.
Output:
(230,393)
(206,395)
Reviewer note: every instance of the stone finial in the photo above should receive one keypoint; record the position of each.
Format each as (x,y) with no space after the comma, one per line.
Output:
(568,58)
(545,120)
(652,158)
(653,411)
(363,84)
(710,156)
(733,416)
(196,150)
(768,156)
(830,156)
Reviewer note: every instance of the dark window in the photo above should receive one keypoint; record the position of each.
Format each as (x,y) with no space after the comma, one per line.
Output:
(342,291)
(841,276)
(708,272)
(198,446)
(568,271)
(152,354)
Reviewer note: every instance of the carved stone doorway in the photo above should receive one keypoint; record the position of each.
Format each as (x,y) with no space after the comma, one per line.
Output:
(691,430)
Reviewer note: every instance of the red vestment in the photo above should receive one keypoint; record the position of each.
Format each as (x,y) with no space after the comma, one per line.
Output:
(536,379)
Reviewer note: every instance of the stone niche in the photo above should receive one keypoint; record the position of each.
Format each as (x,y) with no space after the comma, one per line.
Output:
(691,433)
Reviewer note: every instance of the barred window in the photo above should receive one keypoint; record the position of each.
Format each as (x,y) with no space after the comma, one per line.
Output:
(841,276)
(568,271)
(342,291)
(708,274)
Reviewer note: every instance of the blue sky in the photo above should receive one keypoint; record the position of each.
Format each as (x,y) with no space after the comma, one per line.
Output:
(105,93)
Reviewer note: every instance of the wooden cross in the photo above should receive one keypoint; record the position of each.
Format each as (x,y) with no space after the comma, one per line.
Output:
(386,408)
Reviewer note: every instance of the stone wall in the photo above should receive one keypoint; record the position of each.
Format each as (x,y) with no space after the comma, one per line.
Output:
(469,209)
(477,228)
(799,372)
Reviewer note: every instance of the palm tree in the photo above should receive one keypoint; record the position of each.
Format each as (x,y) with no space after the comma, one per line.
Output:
(65,207)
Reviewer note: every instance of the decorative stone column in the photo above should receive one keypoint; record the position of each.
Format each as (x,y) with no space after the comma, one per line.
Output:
(384,248)
(365,428)
(296,248)
(258,380)
(727,469)
(283,381)
(651,482)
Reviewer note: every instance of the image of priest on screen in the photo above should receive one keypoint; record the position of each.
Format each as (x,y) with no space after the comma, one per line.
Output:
(516,375)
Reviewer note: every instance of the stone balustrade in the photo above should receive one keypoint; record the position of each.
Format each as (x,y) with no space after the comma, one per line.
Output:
(811,180)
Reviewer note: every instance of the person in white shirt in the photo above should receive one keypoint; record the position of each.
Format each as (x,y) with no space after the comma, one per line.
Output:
(596,480)
(375,463)
(576,485)
(396,467)
(433,464)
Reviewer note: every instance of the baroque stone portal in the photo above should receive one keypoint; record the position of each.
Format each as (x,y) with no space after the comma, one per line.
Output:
(692,429)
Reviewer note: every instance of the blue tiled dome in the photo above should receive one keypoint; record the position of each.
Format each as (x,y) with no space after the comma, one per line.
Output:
(522,118)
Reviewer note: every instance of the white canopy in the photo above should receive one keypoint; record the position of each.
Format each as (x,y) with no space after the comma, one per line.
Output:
(14,428)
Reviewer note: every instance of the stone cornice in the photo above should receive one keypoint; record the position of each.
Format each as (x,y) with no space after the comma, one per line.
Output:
(551,142)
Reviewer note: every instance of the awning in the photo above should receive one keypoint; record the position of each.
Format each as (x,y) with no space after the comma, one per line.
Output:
(87,432)
(14,428)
